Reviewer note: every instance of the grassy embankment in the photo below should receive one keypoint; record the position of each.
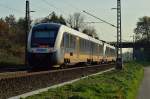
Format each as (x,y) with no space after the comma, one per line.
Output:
(111,85)
(12,56)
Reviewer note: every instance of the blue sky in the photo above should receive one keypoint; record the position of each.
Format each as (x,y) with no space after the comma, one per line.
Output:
(131,11)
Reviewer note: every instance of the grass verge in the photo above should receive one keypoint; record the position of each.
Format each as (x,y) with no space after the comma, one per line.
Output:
(7,59)
(111,85)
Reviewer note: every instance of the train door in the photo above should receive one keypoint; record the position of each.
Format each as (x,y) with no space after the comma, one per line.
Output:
(62,48)
(73,53)
(66,46)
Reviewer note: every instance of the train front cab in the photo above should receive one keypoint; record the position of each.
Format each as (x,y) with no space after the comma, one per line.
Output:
(41,50)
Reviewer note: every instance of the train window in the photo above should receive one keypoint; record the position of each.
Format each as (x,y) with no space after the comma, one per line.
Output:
(87,46)
(109,51)
(97,49)
(44,34)
(85,49)
(62,43)
(101,49)
(94,48)
(69,42)
(106,51)
(66,40)
(81,45)
(84,46)
(43,37)
(72,41)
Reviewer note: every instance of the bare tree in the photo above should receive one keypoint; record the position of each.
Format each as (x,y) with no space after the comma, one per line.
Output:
(91,31)
(11,20)
(76,21)
(51,18)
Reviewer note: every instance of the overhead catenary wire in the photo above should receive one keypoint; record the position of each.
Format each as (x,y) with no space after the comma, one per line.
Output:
(100,19)
(80,10)
(103,21)
(83,11)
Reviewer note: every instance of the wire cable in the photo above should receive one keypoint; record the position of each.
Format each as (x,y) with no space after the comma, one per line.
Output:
(99,19)
(68,3)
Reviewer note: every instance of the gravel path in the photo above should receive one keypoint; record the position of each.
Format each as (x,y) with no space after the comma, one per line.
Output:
(144,91)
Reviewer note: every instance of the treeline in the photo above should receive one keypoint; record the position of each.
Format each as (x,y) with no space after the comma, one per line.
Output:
(12,34)
(12,39)
(142,35)
(12,30)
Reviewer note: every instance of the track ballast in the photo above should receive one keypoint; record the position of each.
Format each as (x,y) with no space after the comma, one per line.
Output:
(19,83)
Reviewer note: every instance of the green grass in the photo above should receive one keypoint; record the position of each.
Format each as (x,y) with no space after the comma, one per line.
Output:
(11,60)
(111,85)
(8,59)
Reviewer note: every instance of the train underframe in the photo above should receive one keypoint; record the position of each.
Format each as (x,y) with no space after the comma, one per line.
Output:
(41,60)
(48,60)
(87,60)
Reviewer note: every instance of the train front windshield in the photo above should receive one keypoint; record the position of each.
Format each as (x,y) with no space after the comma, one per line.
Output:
(43,37)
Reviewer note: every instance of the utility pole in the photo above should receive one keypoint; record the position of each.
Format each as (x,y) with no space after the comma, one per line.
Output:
(119,61)
(27,18)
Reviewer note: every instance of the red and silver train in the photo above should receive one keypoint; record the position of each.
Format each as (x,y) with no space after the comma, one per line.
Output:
(52,44)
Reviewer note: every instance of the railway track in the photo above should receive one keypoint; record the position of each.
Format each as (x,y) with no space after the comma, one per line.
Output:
(20,72)
(16,83)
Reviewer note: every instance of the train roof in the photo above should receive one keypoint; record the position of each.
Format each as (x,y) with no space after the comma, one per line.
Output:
(80,34)
(47,26)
